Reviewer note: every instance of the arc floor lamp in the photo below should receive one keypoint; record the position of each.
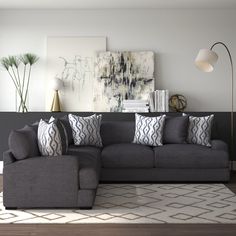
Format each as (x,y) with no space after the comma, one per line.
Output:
(205,61)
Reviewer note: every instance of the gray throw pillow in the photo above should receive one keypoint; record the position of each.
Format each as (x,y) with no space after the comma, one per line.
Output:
(52,138)
(175,130)
(86,130)
(23,143)
(65,122)
(149,130)
(199,130)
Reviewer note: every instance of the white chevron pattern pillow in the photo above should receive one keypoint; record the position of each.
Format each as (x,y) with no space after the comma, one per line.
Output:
(199,130)
(52,138)
(149,130)
(86,130)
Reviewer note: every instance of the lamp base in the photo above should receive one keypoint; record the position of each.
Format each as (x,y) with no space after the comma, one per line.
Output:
(56,103)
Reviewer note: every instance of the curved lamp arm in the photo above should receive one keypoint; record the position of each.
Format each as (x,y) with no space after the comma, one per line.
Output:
(232,71)
(232,92)
(205,61)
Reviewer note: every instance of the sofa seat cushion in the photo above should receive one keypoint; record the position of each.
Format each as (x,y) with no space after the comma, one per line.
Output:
(190,156)
(89,165)
(89,150)
(127,155)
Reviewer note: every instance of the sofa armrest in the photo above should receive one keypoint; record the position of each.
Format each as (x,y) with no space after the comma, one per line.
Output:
(217,144)
(8,158)
(41,182)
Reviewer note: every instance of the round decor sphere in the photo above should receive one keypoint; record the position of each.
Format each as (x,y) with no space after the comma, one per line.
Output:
(177,103)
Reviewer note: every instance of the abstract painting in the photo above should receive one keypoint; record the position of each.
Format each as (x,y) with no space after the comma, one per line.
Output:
(120,76)
(72,60)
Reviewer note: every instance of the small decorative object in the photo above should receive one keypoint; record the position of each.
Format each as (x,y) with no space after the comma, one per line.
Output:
(122,76)
(57,85)
(177,103)
(135,106)
(159,101)
(19,76)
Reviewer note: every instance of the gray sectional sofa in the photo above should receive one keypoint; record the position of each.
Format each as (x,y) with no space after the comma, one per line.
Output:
(71,181)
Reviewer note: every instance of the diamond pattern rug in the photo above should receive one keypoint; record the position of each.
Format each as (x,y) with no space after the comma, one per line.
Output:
(141,203)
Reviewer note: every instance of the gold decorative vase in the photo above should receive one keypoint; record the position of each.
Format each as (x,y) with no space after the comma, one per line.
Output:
(56,107)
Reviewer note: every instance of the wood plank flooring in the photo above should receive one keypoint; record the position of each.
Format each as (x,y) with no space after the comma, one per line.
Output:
(121,229)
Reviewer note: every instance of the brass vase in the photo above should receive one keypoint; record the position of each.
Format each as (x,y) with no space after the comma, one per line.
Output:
(56,107)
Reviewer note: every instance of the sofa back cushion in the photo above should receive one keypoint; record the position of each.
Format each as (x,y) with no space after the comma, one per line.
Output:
(65,121)
(23,143)
(175,130)
(113,132)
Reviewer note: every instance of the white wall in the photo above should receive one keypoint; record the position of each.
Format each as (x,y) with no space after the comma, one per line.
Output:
(175,36)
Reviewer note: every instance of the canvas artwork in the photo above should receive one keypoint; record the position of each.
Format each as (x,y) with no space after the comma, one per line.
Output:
(122,75)
(72,60)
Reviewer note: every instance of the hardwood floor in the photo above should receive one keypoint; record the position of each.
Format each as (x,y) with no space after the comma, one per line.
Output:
(121,229)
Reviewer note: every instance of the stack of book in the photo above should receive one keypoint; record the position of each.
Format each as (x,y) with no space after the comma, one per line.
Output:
(159,101)
(135,106)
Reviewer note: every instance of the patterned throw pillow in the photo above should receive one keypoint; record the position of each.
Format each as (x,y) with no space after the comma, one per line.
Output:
(199,130)
(149,130)
(52,138)
(86,130)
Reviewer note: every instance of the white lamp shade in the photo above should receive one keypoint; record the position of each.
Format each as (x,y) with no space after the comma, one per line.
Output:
(56,84)
(206,60)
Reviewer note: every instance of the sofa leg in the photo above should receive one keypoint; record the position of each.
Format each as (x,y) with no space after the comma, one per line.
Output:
(11,208)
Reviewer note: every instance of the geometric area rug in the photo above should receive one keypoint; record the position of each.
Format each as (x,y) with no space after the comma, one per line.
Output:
(141,203)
